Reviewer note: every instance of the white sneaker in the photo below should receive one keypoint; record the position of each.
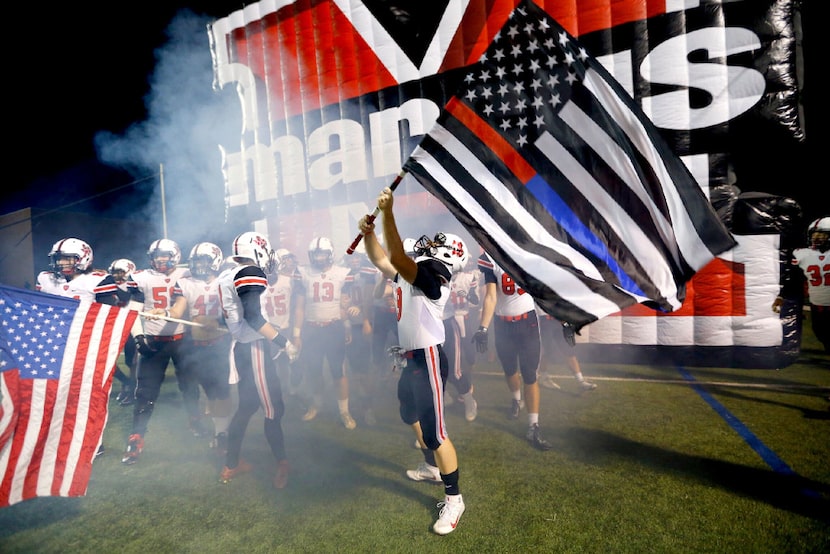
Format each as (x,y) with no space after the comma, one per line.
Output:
(424,473)
(310,414)
(586,386)
(348,420)
(547,381)
(470,408)
(450,514)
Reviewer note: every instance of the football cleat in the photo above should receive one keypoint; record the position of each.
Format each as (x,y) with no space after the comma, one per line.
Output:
(586,386)
(515,408)
(310,414)
(281,478)
(348,420)
(535,438)
(228,474)
(196,428)
(547,381)
(424,473)
(125,398)
(450,514)
(135,445)
(220,444)
(470,409)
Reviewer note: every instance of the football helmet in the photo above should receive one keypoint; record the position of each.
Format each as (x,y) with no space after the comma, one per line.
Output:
(819,234)
(70,248)
(320,253)
(409,246)
(256,247)
(120,269)
(164,247)
(287,261)
(205,259)
(446,248)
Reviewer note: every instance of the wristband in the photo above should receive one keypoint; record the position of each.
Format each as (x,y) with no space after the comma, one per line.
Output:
(280,340)
(482,328)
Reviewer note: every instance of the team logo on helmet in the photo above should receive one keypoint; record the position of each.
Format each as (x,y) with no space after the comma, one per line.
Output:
(121,269)
(255,247)
(444,247)
(70,248)
(205,259)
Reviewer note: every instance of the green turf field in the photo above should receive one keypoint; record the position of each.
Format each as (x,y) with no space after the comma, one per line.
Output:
(656,459)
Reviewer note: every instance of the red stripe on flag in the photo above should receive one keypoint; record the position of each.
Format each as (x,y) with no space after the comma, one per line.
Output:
(28,396)
(72,411)
(10,401)
(93,413)
(512,159)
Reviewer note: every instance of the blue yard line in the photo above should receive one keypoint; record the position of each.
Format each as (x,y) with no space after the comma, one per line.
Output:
(770,458)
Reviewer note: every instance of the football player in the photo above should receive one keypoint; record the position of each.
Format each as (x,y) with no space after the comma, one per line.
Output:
(256,343)
(277,303)
(120,269)
(460,352)
(158,341)
(518,343)
(360,313)
(322,328)
(422,288)
(71,274)
(206,345)
(814,262)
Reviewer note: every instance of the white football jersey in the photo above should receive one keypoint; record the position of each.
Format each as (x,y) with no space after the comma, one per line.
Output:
(460,286)
(86,286)
(202,297)
(323,291)
(156,290)
(420,323)
(816,268)
(230,281)
(511,299)
(277,301)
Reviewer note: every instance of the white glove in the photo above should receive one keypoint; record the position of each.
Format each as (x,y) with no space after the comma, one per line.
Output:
(291,351)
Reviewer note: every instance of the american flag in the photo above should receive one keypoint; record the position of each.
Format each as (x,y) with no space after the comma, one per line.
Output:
(562,179)
(57,359)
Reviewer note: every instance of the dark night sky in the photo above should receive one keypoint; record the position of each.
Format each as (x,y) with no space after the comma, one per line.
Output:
(85,69)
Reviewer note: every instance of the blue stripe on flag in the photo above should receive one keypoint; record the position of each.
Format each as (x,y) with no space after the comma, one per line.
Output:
(563,215)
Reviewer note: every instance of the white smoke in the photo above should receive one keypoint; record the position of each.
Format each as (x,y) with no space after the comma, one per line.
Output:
(177,147)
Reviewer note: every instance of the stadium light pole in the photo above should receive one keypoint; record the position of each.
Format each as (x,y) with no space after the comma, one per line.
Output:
(163,207)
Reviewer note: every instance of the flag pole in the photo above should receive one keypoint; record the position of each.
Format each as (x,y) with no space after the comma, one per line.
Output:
(163,207)
(148,315)
(371,217)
